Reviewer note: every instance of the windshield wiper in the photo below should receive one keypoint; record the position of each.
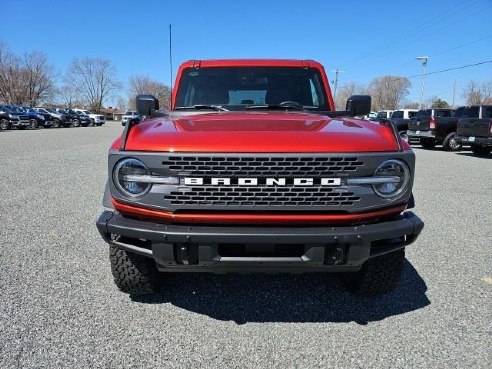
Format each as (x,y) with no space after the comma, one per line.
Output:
(201,107)
(284,105)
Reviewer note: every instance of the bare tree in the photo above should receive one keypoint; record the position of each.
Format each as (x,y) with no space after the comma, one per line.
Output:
(144,85)
(9,74)
(344,92)
(94,79)
(478,94)
(388,92)
(27,80)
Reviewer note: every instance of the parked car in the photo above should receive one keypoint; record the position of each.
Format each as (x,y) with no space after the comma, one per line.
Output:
(9,119)
(400,119)
(477,132)
(96,119)
(383,114)
(35,120)
(75,119)
(129,115)
(438,127)
(58,119)
(80,118)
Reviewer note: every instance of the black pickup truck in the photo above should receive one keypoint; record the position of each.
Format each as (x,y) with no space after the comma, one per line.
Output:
(477,132)
(437,127)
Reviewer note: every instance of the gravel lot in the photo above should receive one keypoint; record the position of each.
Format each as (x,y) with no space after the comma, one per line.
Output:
(60,308)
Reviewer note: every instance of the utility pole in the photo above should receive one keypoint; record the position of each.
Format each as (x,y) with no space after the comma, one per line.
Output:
(335,84)
(424,60)
(171,64)
(454,92)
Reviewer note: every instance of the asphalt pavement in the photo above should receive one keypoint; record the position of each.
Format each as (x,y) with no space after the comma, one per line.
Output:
(59,307)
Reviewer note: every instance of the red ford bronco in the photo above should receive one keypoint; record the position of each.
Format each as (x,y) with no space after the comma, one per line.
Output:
(253,170)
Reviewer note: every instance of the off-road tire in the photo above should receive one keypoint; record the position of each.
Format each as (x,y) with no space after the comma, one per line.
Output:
(56,123)
(134,274)
(33,124)
(450,143)
(427,143)
(377,276)
(481,150)
(4,125)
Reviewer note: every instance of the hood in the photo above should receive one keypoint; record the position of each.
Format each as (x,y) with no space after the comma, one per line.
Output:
(259,132)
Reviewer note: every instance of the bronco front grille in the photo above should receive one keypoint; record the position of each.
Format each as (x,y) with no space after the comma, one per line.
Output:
(258,166)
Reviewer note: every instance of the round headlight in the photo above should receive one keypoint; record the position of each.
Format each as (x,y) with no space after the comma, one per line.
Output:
(399,174)
(122,177)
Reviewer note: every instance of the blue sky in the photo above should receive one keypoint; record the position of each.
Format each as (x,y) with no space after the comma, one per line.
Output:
(366,39)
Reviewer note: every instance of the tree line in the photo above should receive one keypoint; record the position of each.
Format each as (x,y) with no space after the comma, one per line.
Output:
(390,92)
(29,79)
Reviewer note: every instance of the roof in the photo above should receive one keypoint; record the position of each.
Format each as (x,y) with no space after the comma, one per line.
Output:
(251,62)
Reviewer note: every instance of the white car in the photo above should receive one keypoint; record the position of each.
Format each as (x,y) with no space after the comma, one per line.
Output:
(96,119)
(127,116)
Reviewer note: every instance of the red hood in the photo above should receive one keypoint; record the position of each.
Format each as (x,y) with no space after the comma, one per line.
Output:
(259,132)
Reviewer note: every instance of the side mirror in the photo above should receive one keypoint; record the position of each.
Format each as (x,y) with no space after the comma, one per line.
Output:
(358,105)
(147,105)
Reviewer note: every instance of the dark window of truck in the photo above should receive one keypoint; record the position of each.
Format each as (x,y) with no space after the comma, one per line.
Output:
(397,114)
(487,112)
(424,113)
(237,87)
(443,113)
(467,112)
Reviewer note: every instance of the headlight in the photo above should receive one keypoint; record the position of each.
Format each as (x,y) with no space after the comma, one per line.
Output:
(12,116)
(122,177)
(40,116)
(394,189)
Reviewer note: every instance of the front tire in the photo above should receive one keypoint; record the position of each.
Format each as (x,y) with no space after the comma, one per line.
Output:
(378,275)
(56,123)
(133,274)
(481,150)
(76,123)
(33,124)
(450,143)
(4,125)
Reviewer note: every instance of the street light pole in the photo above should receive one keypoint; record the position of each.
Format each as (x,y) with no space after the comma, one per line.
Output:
(424,60)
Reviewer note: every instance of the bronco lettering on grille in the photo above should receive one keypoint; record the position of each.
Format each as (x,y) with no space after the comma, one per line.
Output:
(227,181)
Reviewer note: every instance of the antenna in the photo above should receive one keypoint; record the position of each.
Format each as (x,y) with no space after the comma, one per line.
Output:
(171,63)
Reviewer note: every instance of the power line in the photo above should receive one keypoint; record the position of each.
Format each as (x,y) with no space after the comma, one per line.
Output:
(429,73)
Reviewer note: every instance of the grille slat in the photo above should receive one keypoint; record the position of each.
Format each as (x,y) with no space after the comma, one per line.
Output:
(261,167)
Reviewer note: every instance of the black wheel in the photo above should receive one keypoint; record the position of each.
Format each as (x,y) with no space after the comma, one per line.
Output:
(33,124)
(4,124)
(450,143)
(428,143)
(76,123)
(56,123)
(92,123)
(134,274)
(377,276)
(481,150)
(403,134)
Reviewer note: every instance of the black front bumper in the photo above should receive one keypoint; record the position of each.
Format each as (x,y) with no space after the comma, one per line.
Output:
(195,248)
(472,140)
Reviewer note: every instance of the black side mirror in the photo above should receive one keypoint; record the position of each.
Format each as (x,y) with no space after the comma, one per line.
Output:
(358,105)
(147,105)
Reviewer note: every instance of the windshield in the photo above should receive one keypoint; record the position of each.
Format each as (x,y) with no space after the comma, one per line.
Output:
(236,88)
(397,114)
(5,109)
(86,112)
(382,114)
